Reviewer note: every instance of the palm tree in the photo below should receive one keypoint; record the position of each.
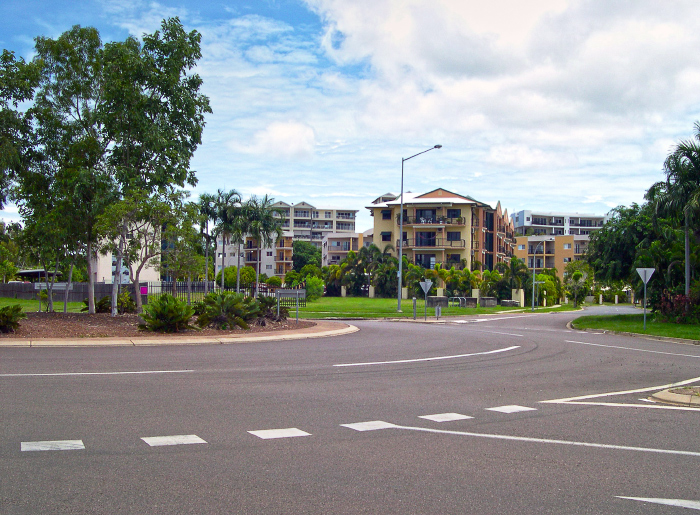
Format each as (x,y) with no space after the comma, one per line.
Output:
(207,211)
(264,226)
(227,210)
(679,196)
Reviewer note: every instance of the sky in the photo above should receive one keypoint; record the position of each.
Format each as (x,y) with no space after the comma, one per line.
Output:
(548,105)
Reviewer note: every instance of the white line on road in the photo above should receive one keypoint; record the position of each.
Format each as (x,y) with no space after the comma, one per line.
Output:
(638,390)
(435,358)
(58,374)
(53,445)
(680,503)
(495,332)
(637,350)
(290,432)
(378,424)
(157,441)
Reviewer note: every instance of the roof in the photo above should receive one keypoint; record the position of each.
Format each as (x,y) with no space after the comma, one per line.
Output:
(412,198)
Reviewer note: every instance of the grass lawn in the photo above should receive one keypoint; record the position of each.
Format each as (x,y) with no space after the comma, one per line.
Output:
(33,305)
(363,307)
(635,324)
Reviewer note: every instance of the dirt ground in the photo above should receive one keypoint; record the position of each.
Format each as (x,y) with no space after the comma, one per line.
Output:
(82,325)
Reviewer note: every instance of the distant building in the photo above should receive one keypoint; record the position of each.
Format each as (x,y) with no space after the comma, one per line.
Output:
(552,240)
(442,227)
(335,247)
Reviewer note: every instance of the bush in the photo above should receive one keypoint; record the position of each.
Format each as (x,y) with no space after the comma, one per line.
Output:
(10,317)
(227,310)
(104,305)
(314,288)
(274,281)
(268,311)
(125,304)
(166,314)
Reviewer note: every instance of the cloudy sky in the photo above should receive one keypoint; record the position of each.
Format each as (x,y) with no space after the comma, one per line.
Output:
(550,105)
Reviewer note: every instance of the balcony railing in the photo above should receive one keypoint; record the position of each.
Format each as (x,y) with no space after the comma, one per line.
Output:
(438,220)
(432,243)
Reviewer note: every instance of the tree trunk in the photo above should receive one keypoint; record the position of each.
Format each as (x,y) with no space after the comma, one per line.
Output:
(70,281)
(687,258)
(206,258)
(117,279)
(91,280)
(257,273)
(238,270)
(223,257)
(137,291)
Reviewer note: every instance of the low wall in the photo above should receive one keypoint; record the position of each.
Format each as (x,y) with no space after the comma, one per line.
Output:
(437,301)
(510,303)
(488,302)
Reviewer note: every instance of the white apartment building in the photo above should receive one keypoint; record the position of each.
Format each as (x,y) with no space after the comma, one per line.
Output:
(539,223)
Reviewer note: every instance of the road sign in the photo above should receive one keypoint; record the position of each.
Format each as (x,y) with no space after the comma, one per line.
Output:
(426,285)
(645,274)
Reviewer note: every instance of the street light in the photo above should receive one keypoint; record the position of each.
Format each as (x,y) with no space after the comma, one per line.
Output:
(403,160)
(534,262)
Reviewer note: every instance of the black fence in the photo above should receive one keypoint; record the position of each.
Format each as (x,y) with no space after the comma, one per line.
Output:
(195,291)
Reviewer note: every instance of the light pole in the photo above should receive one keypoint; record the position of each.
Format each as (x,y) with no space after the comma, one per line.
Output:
(534,262)
(403,160)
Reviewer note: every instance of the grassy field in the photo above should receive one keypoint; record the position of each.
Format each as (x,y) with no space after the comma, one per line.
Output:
(635,324)
(33,305)
(363,307)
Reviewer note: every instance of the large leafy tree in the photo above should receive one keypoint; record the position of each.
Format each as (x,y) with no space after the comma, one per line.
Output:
(305,253)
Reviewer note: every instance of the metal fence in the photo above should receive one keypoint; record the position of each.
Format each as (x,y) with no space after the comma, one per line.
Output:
(195,291)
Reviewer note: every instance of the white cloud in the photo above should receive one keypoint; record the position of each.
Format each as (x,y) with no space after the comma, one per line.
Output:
(282,140)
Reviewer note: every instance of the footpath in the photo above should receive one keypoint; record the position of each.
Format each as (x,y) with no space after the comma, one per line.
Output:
(320,330)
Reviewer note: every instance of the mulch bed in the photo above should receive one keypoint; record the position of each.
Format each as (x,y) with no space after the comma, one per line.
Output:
(100,325)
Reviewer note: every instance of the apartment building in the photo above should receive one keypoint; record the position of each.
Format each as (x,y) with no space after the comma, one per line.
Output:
(335,247)
(301,221)
(552,240)
(442,227)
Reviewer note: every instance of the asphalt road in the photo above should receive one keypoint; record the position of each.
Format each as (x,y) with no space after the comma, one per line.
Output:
(435,445)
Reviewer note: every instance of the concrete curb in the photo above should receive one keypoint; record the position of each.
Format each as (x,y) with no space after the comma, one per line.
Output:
(322,329)
(677,399)
(670,339)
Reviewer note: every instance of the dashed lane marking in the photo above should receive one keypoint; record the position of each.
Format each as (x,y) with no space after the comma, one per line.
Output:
(512,408)
(289,432)
(53,445)
(680,503)
(434,358)
(445,417)
(380,424)
(157,441)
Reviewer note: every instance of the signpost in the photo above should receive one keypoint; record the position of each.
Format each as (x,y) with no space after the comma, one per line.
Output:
(645,274)
(426,285)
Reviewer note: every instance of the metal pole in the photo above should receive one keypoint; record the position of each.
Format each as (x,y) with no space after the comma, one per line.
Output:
(645,301)
(398,309)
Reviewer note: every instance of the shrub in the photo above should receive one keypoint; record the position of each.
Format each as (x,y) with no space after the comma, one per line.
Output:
(104,305)
(125,304)
(314,288)
(274,281)
(10,317)
(268,311)
(166,314)
(227,310)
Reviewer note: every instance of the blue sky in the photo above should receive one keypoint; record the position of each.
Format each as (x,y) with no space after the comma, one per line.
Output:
(549,104)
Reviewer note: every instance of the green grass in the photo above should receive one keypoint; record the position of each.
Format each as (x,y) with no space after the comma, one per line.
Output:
(635,324)
(33,305)
(363,307)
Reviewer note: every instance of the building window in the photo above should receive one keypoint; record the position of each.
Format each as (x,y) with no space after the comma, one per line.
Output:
(567,246)
(454,213)
(567,260)
(527,219)
(454,236)
(386,236)
(328,214)
(269,253)
(268,267)
(386,214)
(521,247)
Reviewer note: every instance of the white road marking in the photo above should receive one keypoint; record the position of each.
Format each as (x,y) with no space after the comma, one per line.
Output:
(582,400)
(637,350)
(372,425)
(157,441)
(435,358)
(289,432)
(445,417)
(53,445)
(498,318)
(387,425)
(512,408)
(99,373)
(680,503)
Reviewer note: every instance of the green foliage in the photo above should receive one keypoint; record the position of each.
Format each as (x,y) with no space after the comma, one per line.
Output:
(125,304)
(227,310)
(104,305)
(274,281)
(305,253)
(310,269)
(10,317)
(268,310)
(314,288)
(292,277)
(166,314)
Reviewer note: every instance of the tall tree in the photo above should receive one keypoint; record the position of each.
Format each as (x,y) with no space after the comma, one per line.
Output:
(228,209)
(264,226)
(207,212)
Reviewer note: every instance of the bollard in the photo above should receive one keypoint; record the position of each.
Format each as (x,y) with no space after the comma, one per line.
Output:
(414,308)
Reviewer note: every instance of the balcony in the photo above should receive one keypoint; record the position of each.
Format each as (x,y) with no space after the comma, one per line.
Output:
(438,220)
(432,243)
